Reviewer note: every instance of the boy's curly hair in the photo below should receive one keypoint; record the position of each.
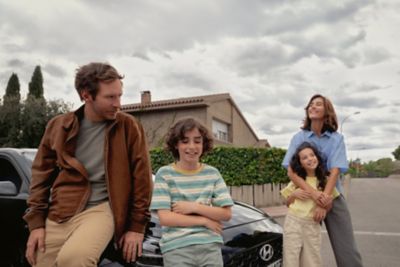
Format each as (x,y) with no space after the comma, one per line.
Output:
(177,133)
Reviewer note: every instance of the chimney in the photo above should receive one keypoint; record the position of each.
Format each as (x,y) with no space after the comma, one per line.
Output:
(145,97)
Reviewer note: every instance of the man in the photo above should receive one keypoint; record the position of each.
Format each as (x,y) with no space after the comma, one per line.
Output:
(91,178)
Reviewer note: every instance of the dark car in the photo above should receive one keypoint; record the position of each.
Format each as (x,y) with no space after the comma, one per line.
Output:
(251,237)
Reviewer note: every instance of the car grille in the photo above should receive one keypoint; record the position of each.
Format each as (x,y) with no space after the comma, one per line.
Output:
(251,257)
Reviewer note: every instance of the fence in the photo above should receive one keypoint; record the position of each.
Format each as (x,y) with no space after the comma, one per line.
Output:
(264,195)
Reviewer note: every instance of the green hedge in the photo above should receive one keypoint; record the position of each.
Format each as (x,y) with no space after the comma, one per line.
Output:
(238,166)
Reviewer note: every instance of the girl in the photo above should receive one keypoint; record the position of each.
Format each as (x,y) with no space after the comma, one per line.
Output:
(320,128)
(302,235)
(191,200)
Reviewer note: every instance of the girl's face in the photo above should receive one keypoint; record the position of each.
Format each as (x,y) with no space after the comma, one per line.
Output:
(308,161)
(190,148)
(316,109)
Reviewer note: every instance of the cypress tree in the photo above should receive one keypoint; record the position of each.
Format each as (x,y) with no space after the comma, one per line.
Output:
(10,113)
(12,94)
(36,84)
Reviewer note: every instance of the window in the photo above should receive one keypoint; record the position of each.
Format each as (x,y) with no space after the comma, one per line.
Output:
(220,130)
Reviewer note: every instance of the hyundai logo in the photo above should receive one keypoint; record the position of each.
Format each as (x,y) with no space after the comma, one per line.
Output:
(266,252)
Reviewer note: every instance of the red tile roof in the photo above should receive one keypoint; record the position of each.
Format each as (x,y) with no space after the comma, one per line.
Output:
(175,103)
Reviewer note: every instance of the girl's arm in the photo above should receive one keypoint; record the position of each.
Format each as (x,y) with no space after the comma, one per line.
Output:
(170,218)
(211,212)
(297,194)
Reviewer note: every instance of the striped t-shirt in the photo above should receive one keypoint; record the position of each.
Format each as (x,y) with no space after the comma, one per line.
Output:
(204,186)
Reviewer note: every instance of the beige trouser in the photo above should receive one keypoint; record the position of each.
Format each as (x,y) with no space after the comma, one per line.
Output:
(79,241)
(301,242)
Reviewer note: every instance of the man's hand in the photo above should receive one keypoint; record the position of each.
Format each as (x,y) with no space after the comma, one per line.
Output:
(319,214)
(35,241)
(131,244)
(185,207)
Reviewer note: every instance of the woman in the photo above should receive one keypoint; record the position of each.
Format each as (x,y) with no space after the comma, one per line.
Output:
(320,128)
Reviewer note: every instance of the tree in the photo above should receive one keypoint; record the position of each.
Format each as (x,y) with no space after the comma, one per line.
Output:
(10,112)
(36,84)
(23,124)
(12,95)
(396,153)
(35,114)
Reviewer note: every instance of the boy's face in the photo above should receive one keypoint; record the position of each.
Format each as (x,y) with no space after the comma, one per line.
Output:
(107,102)
(190,147)
(308,160)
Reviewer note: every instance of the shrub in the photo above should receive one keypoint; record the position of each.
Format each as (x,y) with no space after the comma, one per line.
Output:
(238,166)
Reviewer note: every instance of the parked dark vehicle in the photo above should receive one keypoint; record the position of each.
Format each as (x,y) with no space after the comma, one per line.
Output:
(251,237)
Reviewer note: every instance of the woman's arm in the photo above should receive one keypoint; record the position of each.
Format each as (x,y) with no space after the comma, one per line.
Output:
(211,212)
(326,197)
(300,182)
(331,181)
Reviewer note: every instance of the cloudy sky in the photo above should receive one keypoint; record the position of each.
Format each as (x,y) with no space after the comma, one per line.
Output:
(270,55)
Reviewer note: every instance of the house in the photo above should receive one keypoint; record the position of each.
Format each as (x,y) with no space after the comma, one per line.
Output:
(217,112)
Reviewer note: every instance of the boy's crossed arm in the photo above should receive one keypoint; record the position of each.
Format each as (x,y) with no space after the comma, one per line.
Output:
(171,218)
(211,212)
(185,214)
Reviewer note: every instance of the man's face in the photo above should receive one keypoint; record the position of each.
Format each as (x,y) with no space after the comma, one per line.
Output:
(107,102)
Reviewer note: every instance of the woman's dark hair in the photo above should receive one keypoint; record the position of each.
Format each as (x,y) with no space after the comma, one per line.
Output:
(90,75)
(177,133)
(320,172)
(330,119)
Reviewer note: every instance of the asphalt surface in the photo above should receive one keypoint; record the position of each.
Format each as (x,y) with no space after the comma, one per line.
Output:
(374,204)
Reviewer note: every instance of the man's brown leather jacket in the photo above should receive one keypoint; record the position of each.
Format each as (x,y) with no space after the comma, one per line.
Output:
(60,186)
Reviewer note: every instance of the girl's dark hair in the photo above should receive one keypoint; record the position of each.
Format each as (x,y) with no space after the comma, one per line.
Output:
(320,172)
(330,119)
(90,75)
(177,133)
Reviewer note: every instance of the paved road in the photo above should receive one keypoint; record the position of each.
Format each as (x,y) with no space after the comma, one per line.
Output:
(375,208)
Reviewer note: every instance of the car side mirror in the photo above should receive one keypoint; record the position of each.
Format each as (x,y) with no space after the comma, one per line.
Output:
(8,188)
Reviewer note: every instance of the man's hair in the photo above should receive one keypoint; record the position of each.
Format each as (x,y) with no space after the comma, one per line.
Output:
(88,77)
(320,172)
(330,119)
(177,133)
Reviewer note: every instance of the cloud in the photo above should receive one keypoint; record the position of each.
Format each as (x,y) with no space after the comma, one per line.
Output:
(15,63)
(376,55)
(54,70)
(142,56)
(188,79)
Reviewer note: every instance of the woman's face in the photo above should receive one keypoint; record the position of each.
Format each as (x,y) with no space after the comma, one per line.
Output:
(316,109)
(308,160)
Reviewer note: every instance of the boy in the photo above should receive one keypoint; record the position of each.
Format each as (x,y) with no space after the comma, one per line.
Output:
(191,200)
